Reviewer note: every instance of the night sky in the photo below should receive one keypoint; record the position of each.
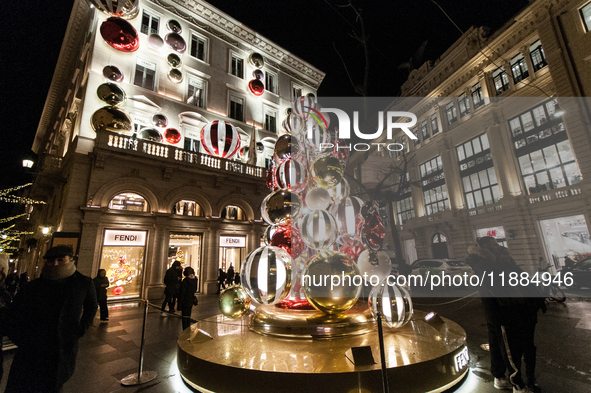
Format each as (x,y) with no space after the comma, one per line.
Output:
(311,29)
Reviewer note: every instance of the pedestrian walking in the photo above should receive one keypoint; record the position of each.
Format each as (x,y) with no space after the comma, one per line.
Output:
(172,280)
(230,275)
(23,281)
(221,280)
(45,321)
(510,317)
(187,297)
(101,283)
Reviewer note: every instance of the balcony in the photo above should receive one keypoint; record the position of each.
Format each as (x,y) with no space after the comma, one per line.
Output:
(166,153)
(559,193)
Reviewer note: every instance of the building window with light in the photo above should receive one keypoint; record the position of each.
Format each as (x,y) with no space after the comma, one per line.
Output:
(187,208)
(231,212)
(586,15)
(434,124)
(271,120)
(236,108)
(150,23)
(477,172)
(519,68)
(129,201)
(402,146)
(538,58)
(271,82)
(477,96)
(452,115)
(404,204)
(425,130)
(434,188)
(198,46)
(237,66)
(500,80)
(415,132)
(464,104)
(195,92)
(543,149)
(296,92)
(145,74)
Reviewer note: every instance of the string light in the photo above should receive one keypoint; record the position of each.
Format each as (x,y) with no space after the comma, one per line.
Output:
(22,200)
(7,191)
(3,220)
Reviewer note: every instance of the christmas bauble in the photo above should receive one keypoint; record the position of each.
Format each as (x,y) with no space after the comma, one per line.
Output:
(286,147)
(373,231)
(347,213)
(159,120)
(270,179)
(175,75)
(339,191)
(155,42)
(293,124)
(112,120)
(127,9)
(220,139)
(172,135)
(280,207)
(175,42)
(258,74)
(303,106)
(291,175)
(392,302)
(113,73)
(150,134)
(288,238)
(174,26)
(234,302)
(266,274)
(120,34)
(111,93)
(326,171)
(374,264)
(256,87)
(318,229)
(256,60)
(174,60)
(341,291)
(318,198)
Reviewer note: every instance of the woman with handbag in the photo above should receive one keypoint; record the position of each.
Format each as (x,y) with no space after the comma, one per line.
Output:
(187,296)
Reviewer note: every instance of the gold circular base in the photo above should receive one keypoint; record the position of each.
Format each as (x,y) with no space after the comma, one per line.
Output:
(420,358)
(307,324)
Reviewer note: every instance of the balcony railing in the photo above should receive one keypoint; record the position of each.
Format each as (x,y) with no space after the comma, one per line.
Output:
(559,193)
(139,147)
(492,208)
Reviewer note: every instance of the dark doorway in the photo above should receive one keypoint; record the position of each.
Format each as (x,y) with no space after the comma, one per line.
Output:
(439,246)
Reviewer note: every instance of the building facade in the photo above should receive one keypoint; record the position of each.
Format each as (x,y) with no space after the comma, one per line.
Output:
(502,148)
(126,176)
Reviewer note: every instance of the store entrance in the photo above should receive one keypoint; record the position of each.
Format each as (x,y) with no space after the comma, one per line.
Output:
(186,248)
(566,237)
(232,252)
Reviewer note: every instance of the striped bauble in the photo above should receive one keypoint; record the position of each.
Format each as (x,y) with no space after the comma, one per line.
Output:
(348,215)
(392,302)
(291,175)
(319,229)
(266,274)
(293,124)
(303,106)
(220,139)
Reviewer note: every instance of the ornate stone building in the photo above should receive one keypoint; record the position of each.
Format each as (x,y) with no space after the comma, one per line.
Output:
(122,166)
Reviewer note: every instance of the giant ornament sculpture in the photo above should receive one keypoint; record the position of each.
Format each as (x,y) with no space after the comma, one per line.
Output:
(266,274)
(220,139)
(120,34)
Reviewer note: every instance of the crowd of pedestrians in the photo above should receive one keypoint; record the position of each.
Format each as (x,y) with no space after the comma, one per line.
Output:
(227,278)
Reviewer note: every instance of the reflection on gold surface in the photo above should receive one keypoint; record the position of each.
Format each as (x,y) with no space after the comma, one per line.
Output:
(308,365)
(113,120)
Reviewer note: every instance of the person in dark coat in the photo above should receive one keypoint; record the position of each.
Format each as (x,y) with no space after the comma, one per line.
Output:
(510,317)
(186,295)
(230,275)
(45,321)
(23,281)
(221,280)
(101,283)
(172,280)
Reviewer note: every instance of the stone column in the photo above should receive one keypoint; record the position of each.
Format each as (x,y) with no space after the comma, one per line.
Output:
(468,92)
(211,258)
(530,65)
(89,256)
(506,167)
(486,86)
(507,67)
(452,175)
(154,275)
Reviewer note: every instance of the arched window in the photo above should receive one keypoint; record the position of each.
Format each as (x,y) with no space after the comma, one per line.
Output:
(439,246)
(187,208)
(129,201)
(233,212)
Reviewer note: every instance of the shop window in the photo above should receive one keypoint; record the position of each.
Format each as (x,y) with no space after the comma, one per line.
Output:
(237,66)
(538,57)
(566,236)
(236,108)
(500,80)
(497,232)
(196,92)
(187,208)
(586,15)
(450,110)
(464,104)
(271,82)
(187,249)
(129,201)
(150,23)
(145,74)
(232,212)
(434,188)
(425,130)
(519,68)
(477,96)
(198,47)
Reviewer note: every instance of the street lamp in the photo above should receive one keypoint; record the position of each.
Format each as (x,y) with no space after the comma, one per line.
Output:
(28,163)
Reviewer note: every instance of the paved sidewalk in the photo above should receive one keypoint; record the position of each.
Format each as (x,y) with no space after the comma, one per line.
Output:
(110,351)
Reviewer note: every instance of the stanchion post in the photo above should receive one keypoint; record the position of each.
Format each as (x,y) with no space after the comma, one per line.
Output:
(382,354)
(141,376)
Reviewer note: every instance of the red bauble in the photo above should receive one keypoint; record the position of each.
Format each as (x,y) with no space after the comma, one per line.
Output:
(256,87)
(352,252)
(373,232)
(270,179)
(288,238)
(120,34)
(172,135)
(118,291)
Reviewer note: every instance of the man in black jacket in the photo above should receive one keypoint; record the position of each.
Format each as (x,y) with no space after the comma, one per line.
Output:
(172,280)
(45,321)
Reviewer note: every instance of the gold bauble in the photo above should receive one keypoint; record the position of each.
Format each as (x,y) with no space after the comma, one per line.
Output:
(234,302)
(331,282)
(327,171)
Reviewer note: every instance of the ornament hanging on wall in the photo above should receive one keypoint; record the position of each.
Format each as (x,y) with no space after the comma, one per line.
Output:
(159,120)
(113,73)
(127,9)
(175,42)
(172,136)
(220,139)
(120,34)
(174,26)
(111,93)
(175,75)
(256,87)
(155,42)
(256,60)
(150,134)
(258,74)
(174,60)
(113,120)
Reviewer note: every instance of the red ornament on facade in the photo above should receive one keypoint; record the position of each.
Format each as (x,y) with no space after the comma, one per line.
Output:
(256,87)
(172,135)
(120,34)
